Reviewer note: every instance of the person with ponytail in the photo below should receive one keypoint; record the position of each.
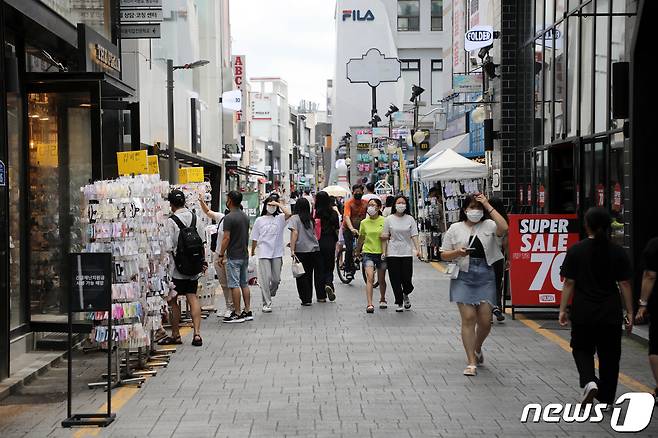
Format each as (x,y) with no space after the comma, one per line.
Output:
(595,270)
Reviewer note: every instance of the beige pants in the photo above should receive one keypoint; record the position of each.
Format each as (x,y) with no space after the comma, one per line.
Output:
(221,275)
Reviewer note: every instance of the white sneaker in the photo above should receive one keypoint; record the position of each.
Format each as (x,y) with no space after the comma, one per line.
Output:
(267,309)
(399,309)
(227,314)
(591,390)
(407,303)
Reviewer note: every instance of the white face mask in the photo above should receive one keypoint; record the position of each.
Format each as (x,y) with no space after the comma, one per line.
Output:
(400,208)
(271,209)
(474,215)
(372,210)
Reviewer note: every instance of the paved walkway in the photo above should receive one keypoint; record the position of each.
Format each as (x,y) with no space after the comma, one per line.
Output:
(332,370)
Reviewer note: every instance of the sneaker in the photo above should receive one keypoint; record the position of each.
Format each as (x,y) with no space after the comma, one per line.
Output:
(591,390)
(248,316)
(383,305)
(225,315)
(407,303)
(233,318)
(498,314)
(330,292)
(267,309)
(399,309)
(479,357)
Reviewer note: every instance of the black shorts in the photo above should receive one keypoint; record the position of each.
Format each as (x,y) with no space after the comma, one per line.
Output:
(653,336)
(184,287)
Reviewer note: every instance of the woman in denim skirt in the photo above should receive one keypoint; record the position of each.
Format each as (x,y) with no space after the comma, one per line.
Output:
(473,244)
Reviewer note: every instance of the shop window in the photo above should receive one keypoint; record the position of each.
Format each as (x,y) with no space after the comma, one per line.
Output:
(617,54)
(549,71)
(437,15)
(410,72)
(94,13)
(601,85)
(408,15)
(586,73)
(437,89)
(572,71)
(540,68)
(539,16)
(59,159)
(616,189)
(560,8)
(587,169)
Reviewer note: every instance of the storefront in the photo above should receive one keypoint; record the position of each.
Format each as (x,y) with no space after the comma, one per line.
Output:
(61,118)
(583,115)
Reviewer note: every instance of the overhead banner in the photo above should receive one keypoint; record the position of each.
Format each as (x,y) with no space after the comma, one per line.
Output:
(538,244)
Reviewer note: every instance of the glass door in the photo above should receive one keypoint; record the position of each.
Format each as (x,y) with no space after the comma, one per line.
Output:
(59,162)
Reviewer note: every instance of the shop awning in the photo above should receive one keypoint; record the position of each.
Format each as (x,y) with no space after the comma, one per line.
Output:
(458,144)
(111,87)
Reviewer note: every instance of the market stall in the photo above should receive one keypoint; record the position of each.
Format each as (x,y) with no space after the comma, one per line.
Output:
(445,179)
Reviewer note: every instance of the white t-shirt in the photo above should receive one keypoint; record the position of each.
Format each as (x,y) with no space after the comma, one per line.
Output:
(217,217)
(173,231)
(268,232)
(400,231)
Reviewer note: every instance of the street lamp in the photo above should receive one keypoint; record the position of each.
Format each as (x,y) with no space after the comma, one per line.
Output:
(416,91)
(173,175)
(392,109)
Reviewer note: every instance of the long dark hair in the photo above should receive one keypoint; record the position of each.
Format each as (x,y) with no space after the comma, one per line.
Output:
(267,200)
(303,208)
(498,205)
(324,211)
(468,200)
(598,222)
(390,201)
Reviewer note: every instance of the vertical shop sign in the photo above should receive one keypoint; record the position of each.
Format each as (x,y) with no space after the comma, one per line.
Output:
(538,245)
(600,195)
(3,174)
(238,65)
(616,197)
(541,201)
(250,206)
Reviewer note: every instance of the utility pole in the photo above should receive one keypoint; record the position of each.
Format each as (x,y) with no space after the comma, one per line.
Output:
(173,174)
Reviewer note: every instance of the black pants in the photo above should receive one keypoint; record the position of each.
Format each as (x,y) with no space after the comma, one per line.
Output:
(605,341)
(313,268)
(499,272)
(328,256)
(400,271)
(349,250)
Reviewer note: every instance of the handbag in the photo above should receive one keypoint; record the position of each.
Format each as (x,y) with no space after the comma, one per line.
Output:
(297,268)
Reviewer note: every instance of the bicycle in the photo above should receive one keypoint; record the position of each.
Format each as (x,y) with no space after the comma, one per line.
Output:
(343,273)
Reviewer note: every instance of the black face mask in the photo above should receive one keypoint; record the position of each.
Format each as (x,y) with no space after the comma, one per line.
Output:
(358,196)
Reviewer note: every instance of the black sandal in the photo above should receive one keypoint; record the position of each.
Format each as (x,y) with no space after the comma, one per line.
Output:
(197,341)
(170,340)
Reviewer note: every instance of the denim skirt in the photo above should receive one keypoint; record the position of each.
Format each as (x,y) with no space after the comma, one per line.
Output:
(475,286)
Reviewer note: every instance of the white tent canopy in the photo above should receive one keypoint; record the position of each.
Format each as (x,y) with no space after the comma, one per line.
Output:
(449,165)
(458,143)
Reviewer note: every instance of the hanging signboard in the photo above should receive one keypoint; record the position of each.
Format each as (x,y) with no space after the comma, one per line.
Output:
(133,162)
(478,37)
(153,165)
(538,245)
(190,175)
(137,31)
(141,3)
(3,174)
(467,82)
(139,15)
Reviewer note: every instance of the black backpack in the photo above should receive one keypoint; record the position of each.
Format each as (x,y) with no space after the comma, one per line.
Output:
(190,254)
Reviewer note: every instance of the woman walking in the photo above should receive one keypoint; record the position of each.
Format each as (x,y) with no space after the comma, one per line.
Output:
(267,237)
(473,245)
(594,271)
(304,246)
(327,224)
(399,245)
(370,244)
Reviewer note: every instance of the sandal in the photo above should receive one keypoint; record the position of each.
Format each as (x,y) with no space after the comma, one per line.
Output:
(471,370)
(383,305)
(197,341)
(170,340)
(479,357)
(370,309)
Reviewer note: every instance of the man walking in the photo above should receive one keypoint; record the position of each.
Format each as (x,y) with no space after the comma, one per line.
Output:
(355,212)
(188,261)
(234,254)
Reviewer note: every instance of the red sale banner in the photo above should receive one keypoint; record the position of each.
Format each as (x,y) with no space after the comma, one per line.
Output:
(538,244)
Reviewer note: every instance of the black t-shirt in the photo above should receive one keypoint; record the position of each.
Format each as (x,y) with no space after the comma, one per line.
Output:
(479,249)
(650,260)
(596,268)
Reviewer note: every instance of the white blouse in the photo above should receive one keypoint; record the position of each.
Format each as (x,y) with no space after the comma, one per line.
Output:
(459,234)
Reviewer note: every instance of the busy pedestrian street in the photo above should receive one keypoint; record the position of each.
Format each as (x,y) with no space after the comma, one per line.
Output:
(331,370)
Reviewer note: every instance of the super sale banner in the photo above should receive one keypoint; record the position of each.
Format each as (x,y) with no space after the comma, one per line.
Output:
(538,244)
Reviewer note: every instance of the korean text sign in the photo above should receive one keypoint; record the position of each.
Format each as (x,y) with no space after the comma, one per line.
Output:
(538,245)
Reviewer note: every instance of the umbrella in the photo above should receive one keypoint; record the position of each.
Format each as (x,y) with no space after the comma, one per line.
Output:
(336,191)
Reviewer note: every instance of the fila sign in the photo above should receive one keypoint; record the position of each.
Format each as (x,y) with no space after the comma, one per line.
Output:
(358,15)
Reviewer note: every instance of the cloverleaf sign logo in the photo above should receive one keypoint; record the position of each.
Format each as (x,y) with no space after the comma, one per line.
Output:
(637,408)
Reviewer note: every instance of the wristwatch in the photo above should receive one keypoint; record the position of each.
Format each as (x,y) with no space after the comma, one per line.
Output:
(643,303)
